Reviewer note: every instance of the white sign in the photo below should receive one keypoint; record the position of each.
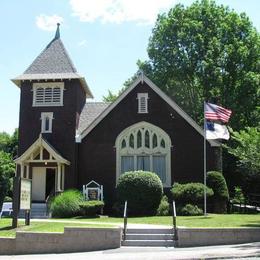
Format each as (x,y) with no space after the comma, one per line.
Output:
(93,191)
(25,194)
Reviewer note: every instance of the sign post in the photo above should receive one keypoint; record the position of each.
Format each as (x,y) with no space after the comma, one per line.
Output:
(16,193)
(25,198)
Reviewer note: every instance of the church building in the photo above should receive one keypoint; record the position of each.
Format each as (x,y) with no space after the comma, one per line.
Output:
(66,141)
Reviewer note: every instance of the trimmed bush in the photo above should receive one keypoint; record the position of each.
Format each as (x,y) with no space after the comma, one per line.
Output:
(91,208)
(142,190)
(239,197)
(190,210)
(190,193)
(66,204)
(217,182)
(164,207)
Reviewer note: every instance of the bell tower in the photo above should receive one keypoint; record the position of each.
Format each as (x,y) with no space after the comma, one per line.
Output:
(52,97)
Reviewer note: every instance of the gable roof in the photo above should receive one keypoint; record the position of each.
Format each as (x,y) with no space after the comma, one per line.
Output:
(142,78)
(52,63)
(41,142)
(89,113)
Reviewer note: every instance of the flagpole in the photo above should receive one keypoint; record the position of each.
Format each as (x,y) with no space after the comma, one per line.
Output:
(205,165)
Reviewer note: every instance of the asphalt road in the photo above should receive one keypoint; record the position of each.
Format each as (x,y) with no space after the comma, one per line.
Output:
(242,251)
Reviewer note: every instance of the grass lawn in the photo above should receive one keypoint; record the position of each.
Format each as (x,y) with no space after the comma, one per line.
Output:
(6,229)
(212,220)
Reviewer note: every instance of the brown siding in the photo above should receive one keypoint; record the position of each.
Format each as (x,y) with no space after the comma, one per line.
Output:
(62,137)
(97,154)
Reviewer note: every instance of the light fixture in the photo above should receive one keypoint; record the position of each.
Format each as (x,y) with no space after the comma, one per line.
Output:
(45,163)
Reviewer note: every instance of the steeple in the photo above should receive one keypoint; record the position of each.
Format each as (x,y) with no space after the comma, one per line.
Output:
(53,63)
(57,34)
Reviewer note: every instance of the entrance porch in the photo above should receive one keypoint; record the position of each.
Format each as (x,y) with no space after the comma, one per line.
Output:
(45,167)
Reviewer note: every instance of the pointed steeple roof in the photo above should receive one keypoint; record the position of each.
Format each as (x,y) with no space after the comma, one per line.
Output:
(52,63)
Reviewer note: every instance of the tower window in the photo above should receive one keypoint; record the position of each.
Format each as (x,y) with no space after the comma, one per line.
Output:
(46,122)
(142,103)
(48,94)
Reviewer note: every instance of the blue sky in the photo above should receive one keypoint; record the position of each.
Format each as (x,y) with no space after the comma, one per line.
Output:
(103,37)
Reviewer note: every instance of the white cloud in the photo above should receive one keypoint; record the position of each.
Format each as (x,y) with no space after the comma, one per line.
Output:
(118,11)
(48,23)
(82,43)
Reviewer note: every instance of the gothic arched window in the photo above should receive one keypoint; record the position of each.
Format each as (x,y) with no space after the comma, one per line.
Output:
(146,147)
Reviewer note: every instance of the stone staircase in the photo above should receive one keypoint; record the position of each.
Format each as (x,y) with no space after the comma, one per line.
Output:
(149,237)
(38,210)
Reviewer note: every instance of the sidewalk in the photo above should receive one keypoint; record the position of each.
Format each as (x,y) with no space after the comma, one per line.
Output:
(241,251)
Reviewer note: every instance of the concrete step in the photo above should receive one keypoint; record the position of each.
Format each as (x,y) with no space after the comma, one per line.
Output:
(152,243)
(149,236)
(149,231)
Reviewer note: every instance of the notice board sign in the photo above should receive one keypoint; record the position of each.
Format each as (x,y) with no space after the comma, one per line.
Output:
(93,191)
(25,194)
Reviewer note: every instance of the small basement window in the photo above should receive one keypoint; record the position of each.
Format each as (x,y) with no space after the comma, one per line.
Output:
(48,94)
(142,103)
(46,122)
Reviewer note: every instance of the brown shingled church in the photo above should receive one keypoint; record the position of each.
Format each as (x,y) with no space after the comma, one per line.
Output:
(65,141)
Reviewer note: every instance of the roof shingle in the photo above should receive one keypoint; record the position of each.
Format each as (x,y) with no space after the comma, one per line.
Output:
(89,113)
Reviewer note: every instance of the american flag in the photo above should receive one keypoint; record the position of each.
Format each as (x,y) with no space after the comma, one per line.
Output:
(214,112)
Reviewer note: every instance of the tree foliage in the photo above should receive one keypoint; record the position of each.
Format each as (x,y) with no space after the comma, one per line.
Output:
(7,170)
(203,52)
(245,147)
(9,143)
(206,52)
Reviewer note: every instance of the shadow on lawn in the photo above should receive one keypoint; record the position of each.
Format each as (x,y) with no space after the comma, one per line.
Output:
(251,224)
(199,217)
(87,217)
(6,228)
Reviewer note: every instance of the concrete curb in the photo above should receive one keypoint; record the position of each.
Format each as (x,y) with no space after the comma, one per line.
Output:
(73,239)
(190,237)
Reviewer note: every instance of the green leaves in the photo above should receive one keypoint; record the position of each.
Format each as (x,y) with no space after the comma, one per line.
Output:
(246,148)
(206,52)
(7,170)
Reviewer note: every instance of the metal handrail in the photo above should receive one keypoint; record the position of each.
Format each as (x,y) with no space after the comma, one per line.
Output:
(125,221)
(174,221)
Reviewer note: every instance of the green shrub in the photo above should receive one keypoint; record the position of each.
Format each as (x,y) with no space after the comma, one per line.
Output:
(91,207)
(217,182)
(239,197)
(142,190)
(190,210)
(66,204)
(8,199)
(164,207)
(192,193)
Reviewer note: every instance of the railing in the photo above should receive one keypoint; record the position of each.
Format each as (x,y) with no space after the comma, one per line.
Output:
(125,221)
(49,200)
(175,233)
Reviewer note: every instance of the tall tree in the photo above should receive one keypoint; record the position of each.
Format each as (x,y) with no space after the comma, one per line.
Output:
(207,52)
(7,170)
(9,143)
(246,147)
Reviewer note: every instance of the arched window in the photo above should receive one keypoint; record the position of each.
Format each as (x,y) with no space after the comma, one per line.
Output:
(146,147)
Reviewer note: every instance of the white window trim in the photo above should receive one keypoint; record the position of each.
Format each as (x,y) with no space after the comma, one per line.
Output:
(128,151)
(44,115)
(139,97)
(44,86)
